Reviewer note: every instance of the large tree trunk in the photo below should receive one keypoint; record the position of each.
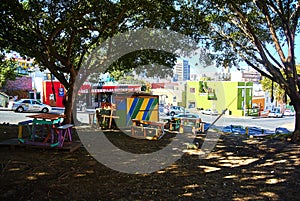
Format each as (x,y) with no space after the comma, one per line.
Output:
(296,133)
(295,100)
(69,103)
(70,100)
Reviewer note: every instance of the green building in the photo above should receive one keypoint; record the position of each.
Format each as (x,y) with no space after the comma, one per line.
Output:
(219,95)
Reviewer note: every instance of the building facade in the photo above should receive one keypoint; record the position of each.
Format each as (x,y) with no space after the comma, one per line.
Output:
(182,71)
(236,97)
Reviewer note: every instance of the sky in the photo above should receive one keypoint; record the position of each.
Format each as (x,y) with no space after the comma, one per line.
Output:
(196,69)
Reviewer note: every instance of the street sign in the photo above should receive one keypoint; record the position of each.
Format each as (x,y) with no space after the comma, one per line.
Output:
(61,92)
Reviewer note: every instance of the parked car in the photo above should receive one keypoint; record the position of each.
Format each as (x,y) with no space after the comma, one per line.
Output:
(276,113)
(173,110)
(30,105)
(209,112)
(180,116)
(187,115)
(288,112)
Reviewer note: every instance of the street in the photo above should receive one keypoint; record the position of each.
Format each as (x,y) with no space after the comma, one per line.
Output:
(265,123)
(12,117)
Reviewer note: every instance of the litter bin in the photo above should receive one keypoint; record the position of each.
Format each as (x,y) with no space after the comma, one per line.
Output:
(91,118)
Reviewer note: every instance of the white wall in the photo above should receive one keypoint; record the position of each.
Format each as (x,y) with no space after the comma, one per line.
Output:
(236,76)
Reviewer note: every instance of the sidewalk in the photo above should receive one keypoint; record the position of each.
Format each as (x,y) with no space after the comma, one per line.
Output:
(290,126)
(5,109)
(58,110)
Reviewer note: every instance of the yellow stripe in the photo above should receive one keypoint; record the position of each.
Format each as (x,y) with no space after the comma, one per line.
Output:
(144,104)
(142,108)
(129,103)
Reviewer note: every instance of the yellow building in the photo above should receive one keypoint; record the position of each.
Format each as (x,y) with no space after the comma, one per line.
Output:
(220,95)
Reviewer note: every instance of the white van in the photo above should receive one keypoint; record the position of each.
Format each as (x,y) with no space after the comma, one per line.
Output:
(276,112)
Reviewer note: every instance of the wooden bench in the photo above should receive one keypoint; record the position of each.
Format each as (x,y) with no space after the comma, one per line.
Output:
(147,129)
(27,123)
(196,125)
(64,131)
(105,117)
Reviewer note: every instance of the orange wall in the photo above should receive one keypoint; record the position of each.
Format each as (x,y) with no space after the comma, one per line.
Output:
(259,102)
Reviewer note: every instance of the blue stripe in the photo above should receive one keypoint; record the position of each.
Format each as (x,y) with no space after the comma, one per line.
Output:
(131,110)
(147,109)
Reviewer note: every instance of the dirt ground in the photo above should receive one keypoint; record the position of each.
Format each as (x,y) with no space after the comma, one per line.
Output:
(238,168)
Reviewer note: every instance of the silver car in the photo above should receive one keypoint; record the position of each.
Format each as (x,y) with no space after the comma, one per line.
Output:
(210,112)
(30,105)
(173,110)
(187,115)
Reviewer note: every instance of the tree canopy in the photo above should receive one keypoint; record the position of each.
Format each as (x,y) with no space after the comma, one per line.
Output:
(7,70)
(276,91)
(261,33)
(59,34)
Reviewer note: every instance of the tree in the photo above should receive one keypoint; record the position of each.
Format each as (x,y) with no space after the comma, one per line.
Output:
(59,34)
(205,58)
(262,34)
(276,91)
(7,70)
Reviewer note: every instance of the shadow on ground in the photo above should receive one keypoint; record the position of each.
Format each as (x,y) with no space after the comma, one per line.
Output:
(238,168)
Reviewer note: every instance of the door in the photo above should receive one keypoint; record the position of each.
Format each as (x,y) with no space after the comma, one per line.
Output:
(36,106)
(26,104)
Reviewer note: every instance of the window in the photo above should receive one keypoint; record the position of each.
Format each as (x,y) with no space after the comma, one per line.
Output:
(192,104)
(36,102)
(192,90)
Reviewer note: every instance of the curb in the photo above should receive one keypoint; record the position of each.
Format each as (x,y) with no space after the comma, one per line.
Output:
(5,109)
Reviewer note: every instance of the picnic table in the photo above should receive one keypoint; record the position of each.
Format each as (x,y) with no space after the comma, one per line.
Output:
(147,129)
(196,125)
(183,124)
(56,132)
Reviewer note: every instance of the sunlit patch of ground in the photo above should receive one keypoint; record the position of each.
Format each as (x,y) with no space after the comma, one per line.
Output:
(237,168)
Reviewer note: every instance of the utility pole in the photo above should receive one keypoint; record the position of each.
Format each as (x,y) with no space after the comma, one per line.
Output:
(245,99)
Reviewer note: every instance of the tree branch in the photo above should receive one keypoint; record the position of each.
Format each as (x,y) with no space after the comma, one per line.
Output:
(250,52)
(265,11)
(295,17)
(265,61)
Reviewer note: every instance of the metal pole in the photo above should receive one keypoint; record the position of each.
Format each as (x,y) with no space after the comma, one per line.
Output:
(245,99)
(186,89)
